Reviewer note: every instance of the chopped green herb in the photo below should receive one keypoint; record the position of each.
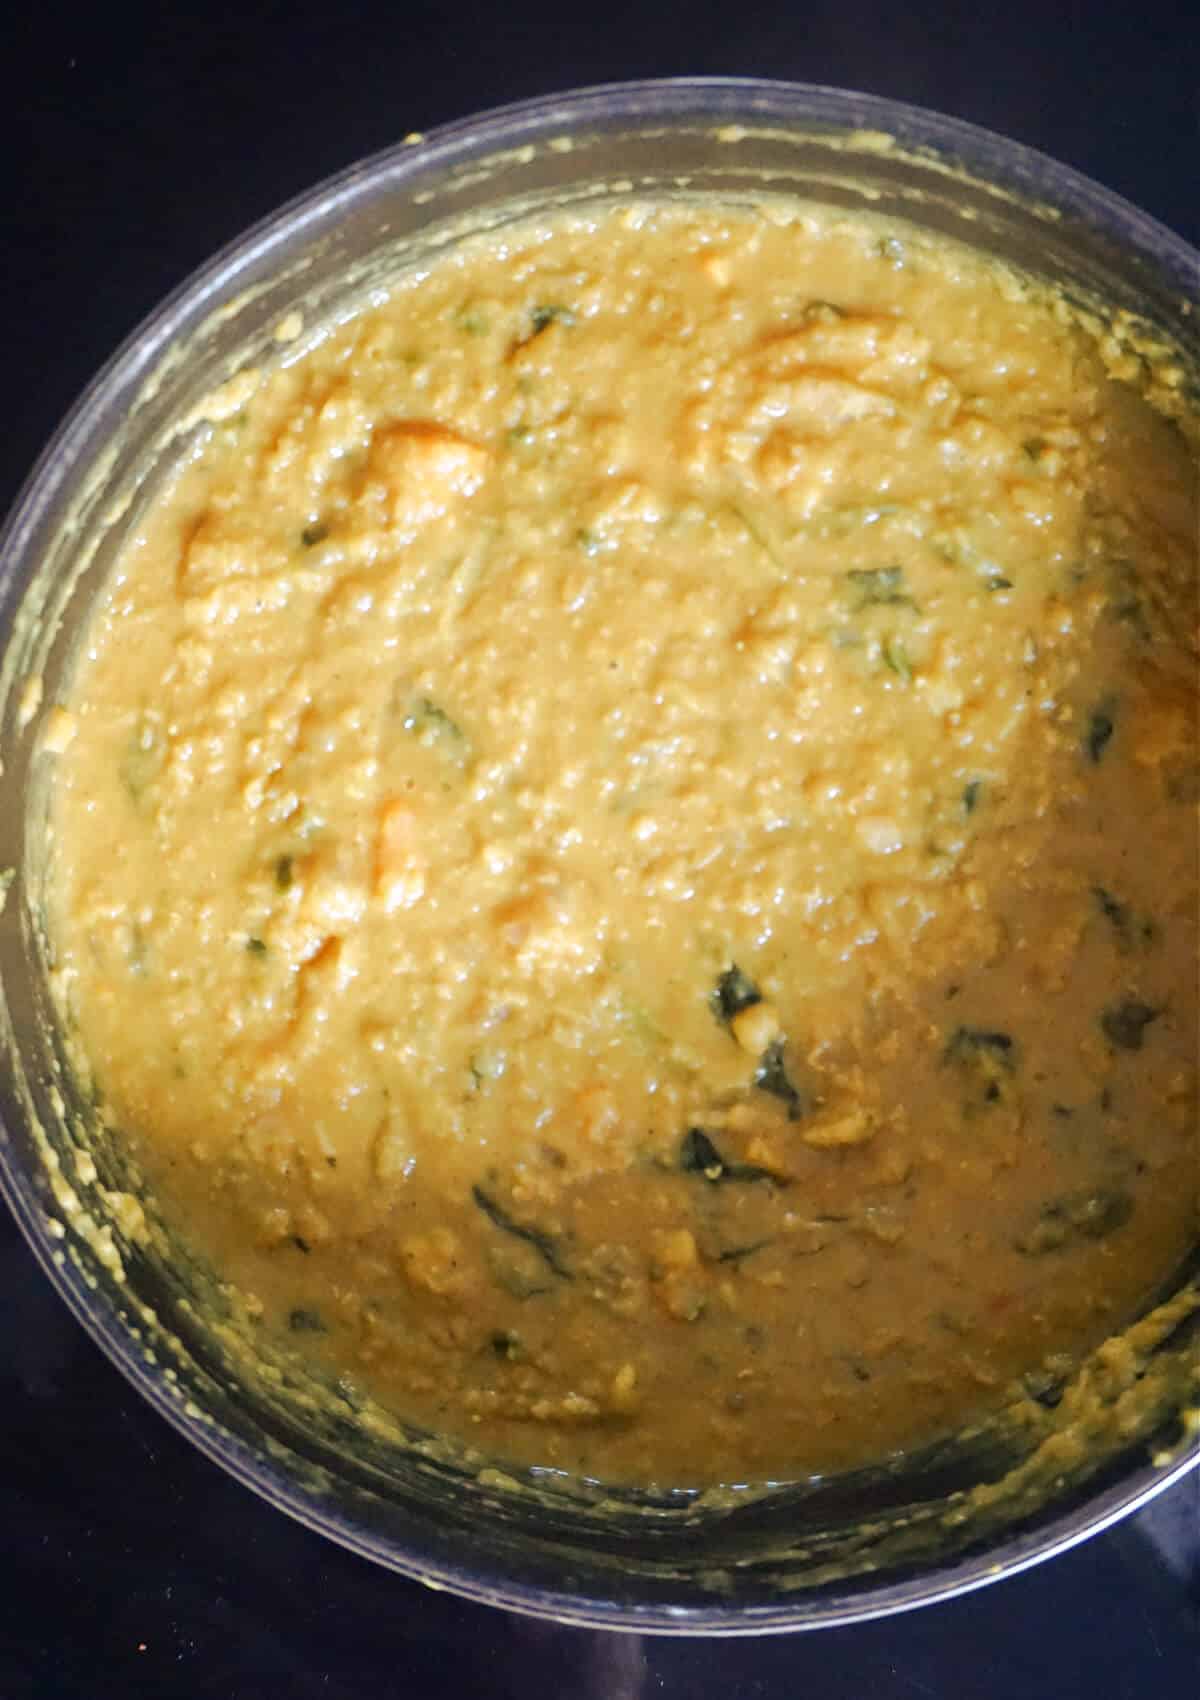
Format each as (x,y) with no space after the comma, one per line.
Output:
(427,719)
(549,314)
(285,873)
(997,581)
(301,1244)
(1111,908)
(306,1322)
(987,1057)
(256,947)
(473,321)
(878,587)
(738,1253)
(735,992)
(589,541)
(891,249)
(967,1044)
(822,313)
(699,1156)
(542,1243)
(507,1346)
(772,1076)
(1125,924)
(1078,1215)
(1124,1024)
(756,533)
(314,534)
(895,656)
(1099,732)
(521,437)
(1035,448)
(970,796)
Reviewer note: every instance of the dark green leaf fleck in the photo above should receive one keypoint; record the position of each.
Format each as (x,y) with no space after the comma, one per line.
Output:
(1124,1024)
(876,587)
(285,873)
(550,313)
(426,717)
(542,1243)
(699,1156)
(968,1043)
(256,947)
(772,1076)
(1112,908)
(302,1321)
(895,657)
(739,1253)
(735,992)
(1099,733)
(314,534)
(1086,1215)
(970,796)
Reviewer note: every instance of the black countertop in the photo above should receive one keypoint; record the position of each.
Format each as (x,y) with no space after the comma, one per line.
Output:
(140,138)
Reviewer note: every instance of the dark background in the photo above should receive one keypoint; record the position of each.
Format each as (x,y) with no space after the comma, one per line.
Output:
(137,138)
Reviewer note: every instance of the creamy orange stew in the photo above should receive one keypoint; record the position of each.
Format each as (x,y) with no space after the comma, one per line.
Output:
(625,843)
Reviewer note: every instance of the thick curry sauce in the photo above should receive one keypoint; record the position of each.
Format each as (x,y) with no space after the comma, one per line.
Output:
(625,843)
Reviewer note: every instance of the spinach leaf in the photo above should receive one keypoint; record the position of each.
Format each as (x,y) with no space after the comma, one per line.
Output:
(542,317)
(735,992)
(699,1156)
(1124,1024)
(895,656)
(1099,732)
(879,587)
(772,1076)
(1126,925)
(302,1321)
(1112,908)
(738,1253)
(968,1044)
(1077,1215)
(426,717)
(542,1243)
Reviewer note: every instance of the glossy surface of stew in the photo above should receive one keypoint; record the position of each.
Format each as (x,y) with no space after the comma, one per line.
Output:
(627,857)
